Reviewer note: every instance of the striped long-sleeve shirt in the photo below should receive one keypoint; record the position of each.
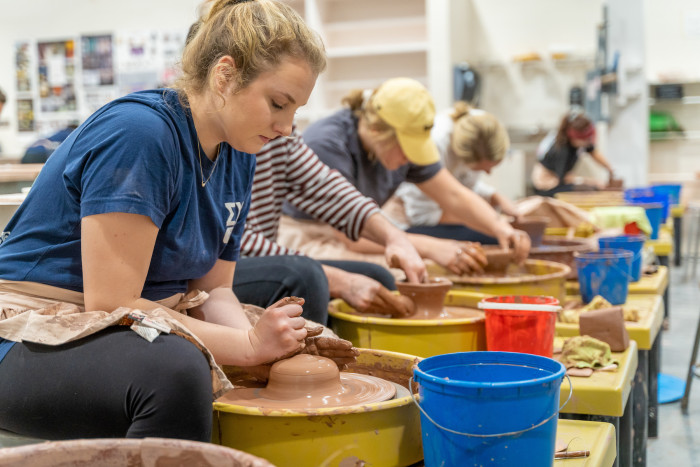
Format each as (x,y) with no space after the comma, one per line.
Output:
(287,169)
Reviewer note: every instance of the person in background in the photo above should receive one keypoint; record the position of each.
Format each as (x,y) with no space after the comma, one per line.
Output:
(553,173)
(40,151)
(138,217)
(470,141)
(382,139)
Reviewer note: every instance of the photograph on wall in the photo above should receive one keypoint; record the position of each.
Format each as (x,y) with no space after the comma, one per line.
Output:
(171,45)
(25,115)
(136,54)
(57,76)
(98,68)
(23,66)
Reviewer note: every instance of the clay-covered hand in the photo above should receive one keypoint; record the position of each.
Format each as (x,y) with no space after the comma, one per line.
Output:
(386,302)
(279,331)
(367,295)
(520,241)
(400,253)
(458,257)
(339,350)
(508,237)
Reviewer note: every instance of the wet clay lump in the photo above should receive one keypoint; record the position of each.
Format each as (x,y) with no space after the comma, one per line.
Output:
(311,382)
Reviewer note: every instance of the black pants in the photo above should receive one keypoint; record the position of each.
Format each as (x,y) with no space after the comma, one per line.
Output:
(113,384)
(564,189)
(263,280)
(453,232)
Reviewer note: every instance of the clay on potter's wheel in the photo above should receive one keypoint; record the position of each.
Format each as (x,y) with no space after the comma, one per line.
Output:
(498,259)
(534,226)
(311,382)
(429,297)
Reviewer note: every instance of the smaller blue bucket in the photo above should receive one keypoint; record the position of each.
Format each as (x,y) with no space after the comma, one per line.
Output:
(489,408)
(673,191)
(633,243)
(646,196)
(654,212)
(605,272)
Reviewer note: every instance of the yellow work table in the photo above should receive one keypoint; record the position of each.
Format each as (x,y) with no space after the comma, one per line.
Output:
(662,246)
(596,437)
(604,392)
(606,396)
(645,333)
(649,284)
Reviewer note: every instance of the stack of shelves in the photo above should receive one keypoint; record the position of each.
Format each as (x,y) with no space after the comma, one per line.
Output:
(674,153)
(367,42)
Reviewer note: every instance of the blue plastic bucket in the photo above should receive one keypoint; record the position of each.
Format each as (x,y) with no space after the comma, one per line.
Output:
(646,196)
(673,191)
(633,243)
(654,212)
(605,272)
(489,408)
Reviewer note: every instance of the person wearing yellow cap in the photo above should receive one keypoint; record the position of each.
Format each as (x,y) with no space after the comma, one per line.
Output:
(383,138)
(470,141)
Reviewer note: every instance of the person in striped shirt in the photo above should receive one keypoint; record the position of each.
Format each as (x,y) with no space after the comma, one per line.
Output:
(288,170)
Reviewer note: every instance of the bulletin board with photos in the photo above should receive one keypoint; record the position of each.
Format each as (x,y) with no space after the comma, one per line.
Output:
(63,80)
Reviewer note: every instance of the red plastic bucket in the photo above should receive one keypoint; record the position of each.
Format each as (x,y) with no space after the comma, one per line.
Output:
(520,323)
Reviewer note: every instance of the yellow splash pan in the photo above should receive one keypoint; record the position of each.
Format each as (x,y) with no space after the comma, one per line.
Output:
(424,337)
(380,433)
(536,277)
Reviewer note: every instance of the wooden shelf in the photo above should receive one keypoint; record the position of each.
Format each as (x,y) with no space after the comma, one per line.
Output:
(384,49)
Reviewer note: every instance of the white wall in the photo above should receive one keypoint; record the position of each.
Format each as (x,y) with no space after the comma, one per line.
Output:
(52,19)
(672,40)
(531,94)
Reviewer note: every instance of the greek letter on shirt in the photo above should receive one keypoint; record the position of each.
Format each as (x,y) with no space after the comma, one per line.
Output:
(234,210)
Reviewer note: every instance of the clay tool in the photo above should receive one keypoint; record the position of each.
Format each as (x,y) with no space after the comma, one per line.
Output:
(571,454)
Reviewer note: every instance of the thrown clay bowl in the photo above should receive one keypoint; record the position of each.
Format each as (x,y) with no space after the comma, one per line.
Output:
(534,226)
(429,297)
(498,258)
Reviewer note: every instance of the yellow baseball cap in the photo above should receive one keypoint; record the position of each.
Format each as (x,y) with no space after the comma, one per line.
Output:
(406,105)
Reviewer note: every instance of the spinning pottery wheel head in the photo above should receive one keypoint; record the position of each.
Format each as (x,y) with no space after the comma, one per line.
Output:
(309,381)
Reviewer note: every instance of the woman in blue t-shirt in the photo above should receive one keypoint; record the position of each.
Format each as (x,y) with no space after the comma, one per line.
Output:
(137,216)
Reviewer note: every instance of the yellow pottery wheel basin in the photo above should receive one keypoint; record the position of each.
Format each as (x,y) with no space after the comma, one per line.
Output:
(535,277)
(380,433)
(422,337)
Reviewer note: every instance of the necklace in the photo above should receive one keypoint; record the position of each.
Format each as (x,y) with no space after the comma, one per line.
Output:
(201,171)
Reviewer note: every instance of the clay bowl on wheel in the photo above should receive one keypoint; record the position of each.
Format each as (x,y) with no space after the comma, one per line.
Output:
(534,226)
(498,258)
(429,297)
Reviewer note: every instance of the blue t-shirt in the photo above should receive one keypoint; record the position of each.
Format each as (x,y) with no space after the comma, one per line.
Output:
(138,154)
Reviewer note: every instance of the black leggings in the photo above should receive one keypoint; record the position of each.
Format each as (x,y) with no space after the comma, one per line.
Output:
(112,384)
